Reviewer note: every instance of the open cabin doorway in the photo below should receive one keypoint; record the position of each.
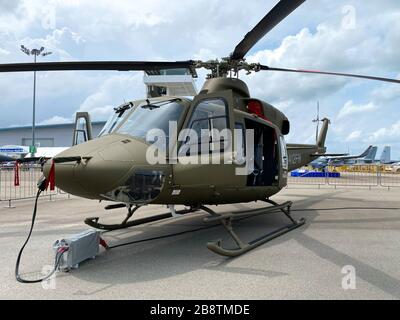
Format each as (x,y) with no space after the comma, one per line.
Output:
(266,158)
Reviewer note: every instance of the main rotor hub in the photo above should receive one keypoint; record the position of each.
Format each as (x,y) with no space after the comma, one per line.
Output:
(226,66)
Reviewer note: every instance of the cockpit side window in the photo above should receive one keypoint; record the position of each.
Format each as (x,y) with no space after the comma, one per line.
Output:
(209,119)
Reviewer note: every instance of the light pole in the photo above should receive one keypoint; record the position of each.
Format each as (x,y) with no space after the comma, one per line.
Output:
(35,53)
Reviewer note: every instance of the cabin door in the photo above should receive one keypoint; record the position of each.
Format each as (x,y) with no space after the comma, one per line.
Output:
(205,155)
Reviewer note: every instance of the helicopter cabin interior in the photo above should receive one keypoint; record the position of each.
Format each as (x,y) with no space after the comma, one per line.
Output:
(213,113)
(266,156)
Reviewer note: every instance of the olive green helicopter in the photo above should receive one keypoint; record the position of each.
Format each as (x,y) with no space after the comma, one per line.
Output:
(224,147)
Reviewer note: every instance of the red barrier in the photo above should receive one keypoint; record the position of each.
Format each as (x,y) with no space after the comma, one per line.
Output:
(16,174)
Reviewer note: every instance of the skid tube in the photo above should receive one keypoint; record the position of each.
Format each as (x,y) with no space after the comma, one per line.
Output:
(94,221)
(243,247)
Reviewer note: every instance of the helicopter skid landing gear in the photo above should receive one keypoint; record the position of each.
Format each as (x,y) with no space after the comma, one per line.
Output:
(226,221)
(94,221)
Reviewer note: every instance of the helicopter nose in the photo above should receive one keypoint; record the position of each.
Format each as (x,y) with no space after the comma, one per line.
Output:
(105,164)
(92,177)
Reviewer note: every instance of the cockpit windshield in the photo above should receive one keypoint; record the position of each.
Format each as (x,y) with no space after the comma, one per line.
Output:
(151,116)
(115,119)
(110,124)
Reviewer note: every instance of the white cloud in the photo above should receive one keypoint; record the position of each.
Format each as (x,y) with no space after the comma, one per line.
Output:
(355,135)
(64,43)
(114,91)
(7,6)
(386,92)
(351,108)
(4,52)
(284,104)
(391,133)
(204,55)
(298,51)
(55,120)
(311,37)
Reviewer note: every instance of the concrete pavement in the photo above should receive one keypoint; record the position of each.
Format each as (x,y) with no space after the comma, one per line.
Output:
(345,227)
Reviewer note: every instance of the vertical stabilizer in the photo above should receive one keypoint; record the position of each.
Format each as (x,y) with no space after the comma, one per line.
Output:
(385,157)
(322,134)
(371,154)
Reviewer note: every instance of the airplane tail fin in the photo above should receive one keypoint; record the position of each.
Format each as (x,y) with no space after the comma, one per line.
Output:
(366,152)
(371,154)
(385,157)
(322,135)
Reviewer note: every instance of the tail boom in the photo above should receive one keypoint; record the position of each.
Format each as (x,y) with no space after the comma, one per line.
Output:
(302,154)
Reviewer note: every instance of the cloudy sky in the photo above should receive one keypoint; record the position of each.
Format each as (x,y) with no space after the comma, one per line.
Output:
(344,35)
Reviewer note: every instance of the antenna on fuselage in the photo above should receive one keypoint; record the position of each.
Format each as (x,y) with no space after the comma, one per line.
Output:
(317,121)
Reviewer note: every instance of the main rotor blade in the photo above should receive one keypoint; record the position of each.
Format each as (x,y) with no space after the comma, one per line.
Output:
(276,15)
(96,65)
(262,67)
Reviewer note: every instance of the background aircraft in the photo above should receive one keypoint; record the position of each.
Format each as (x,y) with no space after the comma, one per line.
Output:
(21,153)
(368,156)
(385,157)
(4,158)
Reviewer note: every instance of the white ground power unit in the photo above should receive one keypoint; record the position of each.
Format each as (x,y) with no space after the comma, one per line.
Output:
(81,247)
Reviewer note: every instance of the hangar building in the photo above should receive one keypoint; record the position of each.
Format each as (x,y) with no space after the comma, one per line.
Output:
(176,82)
(54,135)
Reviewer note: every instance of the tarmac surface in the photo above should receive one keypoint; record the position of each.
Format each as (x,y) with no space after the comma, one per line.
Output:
(354,227)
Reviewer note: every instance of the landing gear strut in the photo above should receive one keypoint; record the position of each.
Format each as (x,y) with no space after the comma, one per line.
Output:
(226,221)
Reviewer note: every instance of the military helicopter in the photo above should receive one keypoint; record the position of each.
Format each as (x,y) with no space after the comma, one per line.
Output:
(115,165)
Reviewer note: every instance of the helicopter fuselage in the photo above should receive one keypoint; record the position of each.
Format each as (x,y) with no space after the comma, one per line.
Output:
(220,147)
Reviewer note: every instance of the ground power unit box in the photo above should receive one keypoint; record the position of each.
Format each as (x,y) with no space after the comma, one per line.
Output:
(81,247)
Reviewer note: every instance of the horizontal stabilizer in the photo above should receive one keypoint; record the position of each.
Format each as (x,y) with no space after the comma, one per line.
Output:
(328,155)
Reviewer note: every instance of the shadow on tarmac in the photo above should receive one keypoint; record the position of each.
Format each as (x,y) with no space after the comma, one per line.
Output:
(169,257)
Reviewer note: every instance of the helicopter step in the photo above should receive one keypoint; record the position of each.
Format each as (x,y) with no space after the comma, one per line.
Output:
(94,221)
(226,221)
